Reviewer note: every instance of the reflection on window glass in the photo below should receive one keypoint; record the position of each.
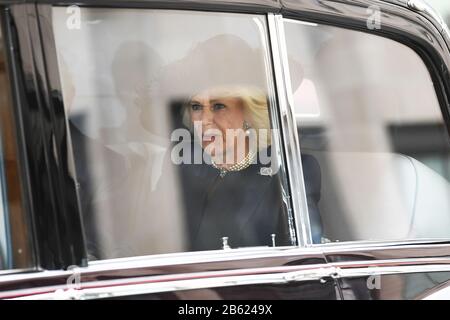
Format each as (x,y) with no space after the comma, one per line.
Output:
(175,148)
(367,110)
(15,251)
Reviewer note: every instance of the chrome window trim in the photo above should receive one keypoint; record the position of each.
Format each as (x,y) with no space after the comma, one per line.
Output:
(158,284)
(289,130)
(137,286)
(254,253)
(386,263)
(277,140)
(202,257)
(8,272)
(380,271)
(269,252)
(164,260)
(430,13)
(218,256)
(369,244)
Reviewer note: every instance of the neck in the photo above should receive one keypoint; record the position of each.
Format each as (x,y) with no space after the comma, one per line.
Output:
(223,162)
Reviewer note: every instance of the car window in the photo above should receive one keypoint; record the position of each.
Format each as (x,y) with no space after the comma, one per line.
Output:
(172,129)
(367,112)
(15,240)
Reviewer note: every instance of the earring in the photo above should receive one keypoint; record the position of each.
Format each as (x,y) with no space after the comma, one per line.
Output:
(247,128)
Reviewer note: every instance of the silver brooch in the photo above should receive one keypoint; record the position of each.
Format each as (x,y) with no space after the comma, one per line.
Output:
(265,171)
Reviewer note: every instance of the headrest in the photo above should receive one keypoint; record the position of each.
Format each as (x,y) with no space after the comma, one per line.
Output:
(383,196)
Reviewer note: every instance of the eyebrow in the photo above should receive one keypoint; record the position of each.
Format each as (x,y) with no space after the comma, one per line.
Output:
(216,100)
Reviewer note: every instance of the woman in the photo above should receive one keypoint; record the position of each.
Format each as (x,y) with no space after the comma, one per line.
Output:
(234,191)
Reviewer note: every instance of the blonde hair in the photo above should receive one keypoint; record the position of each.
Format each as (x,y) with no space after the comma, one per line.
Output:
(256,111)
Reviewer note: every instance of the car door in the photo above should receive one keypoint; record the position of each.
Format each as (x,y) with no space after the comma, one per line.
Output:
(372,108)
(77,91)
(98,89)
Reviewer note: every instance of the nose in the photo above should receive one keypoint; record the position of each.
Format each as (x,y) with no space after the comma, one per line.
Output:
(207,116)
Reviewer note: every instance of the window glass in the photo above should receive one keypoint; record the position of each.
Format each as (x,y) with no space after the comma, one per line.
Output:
(367,111)
(172,130)
(15,251)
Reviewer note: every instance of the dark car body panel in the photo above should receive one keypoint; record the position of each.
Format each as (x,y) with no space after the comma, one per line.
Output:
(405,272)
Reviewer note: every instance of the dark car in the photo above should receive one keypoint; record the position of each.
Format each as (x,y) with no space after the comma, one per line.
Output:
(346,196)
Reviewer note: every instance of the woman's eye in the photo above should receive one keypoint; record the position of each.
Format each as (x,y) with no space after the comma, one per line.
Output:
(218,106)
(196,106)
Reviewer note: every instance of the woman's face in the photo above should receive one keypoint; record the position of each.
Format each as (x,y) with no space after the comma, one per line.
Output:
(213,116)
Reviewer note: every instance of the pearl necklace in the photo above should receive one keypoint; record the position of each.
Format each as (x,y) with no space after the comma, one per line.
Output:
(243,164)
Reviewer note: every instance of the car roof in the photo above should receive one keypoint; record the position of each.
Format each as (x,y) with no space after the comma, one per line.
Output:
(254,6)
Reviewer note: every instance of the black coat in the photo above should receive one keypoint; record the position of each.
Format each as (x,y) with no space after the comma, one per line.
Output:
(245,206)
